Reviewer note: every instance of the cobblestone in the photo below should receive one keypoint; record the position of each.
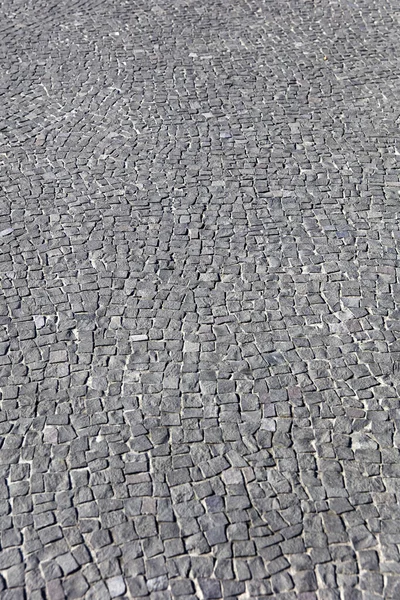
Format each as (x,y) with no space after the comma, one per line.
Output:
(199,262)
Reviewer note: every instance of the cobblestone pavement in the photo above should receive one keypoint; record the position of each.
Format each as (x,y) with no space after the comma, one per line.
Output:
(199,233)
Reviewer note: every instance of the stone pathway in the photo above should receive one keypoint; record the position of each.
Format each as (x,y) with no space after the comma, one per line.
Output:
(199,319)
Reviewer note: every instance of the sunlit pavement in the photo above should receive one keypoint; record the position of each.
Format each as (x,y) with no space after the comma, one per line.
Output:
(199,254)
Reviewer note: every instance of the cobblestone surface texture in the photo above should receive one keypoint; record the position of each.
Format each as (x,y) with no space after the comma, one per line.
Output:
(199,254)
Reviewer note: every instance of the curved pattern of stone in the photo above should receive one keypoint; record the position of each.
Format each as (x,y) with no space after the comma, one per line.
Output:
(199,319)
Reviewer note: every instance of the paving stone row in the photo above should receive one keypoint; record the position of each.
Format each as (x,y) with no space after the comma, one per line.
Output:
(199,321)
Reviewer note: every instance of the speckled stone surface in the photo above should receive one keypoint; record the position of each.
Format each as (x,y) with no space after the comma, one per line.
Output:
(199,318)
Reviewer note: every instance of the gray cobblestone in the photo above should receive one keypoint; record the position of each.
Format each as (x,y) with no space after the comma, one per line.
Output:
(199,237)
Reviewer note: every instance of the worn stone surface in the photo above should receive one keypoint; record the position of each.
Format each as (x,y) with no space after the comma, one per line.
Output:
(199,321)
